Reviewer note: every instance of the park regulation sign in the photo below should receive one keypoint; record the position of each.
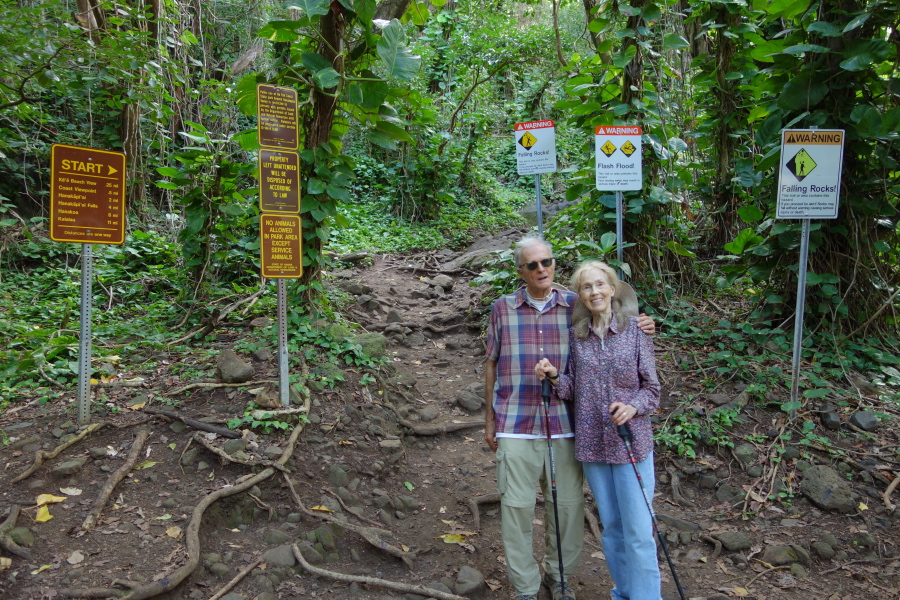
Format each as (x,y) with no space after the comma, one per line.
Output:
(535,147)
(809,181)
(87,197)
(618,161)
(280,246)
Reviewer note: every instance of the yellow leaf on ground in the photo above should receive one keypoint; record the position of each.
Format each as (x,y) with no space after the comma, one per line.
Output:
(94,381)
(145,465)
(137,406)
(43,514)
(41,569)
(174,532)
(321,508)
(740,592)
(70,491)
(862,506)
(49,499)
(452,538)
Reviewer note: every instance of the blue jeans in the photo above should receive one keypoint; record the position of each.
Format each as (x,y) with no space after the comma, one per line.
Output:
(628,540)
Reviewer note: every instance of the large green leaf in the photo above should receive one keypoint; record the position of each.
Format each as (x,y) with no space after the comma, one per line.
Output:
(279,31)
(398,133)
(824,28)
(309,7)
(750,214)
(395,54)
(745,240)
(802,92)
(673,41)
(314,62)
(857,21)
(786,8)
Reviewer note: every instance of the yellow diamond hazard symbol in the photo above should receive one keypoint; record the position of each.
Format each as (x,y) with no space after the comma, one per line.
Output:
(528,140)
(801,165)
(628,148)
(608,148)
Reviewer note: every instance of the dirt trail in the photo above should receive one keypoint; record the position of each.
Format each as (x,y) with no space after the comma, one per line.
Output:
(360,458)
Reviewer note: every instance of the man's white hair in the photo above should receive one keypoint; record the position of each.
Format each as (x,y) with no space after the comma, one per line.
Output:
(528,242)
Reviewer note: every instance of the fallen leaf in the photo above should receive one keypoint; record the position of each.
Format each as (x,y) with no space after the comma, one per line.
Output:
(862,506)
(345,443)
(43,514)
(171,446)
(70,491)
(75,558)
(41,569)
(493,584)
(174,532)
(165,517)
(49,499)
(404,547)
(93,382)
(598,554)
(452,538)
(321,508)
(443,509)
(137,406)
(5,563)
(450,523)
(145,465)
(740,592)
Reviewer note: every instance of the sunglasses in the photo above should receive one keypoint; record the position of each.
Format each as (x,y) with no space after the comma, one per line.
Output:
(533,265)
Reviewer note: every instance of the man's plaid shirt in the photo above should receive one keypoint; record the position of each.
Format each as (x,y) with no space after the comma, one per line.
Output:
(518,337)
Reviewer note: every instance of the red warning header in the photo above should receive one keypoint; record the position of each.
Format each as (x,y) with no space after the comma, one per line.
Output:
(534,125)
(617,130)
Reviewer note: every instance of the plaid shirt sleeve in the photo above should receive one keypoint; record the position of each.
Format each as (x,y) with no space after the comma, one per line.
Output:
(518,337)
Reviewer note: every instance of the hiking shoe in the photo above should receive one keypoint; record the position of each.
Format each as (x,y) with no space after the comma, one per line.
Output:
(526,597)
(556,590)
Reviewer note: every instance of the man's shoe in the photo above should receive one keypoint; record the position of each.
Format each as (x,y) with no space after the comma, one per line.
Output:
(526,597)
(556,590)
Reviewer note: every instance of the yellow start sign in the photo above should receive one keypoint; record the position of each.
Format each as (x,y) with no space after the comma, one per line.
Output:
(87,197)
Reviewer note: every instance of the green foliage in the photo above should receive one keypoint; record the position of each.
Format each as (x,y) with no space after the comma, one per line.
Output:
(267,423)
(683,431)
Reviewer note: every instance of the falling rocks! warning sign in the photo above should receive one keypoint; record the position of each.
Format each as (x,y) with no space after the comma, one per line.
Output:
(535,147)
(809,181)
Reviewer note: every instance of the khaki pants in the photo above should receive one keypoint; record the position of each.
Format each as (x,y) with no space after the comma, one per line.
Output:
(521,465)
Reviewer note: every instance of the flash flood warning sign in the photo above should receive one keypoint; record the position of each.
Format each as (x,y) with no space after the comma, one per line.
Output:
(809,181)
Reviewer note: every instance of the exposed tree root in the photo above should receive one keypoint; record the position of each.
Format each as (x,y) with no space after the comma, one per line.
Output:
(224,432)
(887,494)
(374,536)
(384,583)
(229,458)
(210,385)
(718,546)
(474,503)
(353,511)
(237,579)
(134,454)
(192,532)
(7,542)
(594,525)
(42,455)
(676,491)
(429,430)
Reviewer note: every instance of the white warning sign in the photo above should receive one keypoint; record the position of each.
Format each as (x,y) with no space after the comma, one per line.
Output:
(618,161)
(809,181)
(535,147)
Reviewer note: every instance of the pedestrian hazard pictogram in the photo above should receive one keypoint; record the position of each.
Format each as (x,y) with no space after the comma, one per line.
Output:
(628,148)
(608,148)
(801,165)
(528,140)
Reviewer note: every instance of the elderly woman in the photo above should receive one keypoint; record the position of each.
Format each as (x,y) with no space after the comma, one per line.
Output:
(611,376)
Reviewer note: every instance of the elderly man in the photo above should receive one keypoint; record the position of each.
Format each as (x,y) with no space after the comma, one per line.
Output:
(525,327)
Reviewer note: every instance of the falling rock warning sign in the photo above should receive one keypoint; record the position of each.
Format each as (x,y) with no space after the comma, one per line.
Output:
(535,147)
(809,181)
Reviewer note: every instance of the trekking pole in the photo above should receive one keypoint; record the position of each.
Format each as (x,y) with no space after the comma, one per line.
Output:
(545,394)
(625,433)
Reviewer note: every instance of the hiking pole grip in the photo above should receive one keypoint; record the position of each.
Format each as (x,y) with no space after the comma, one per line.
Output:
(545,388)
(625,433)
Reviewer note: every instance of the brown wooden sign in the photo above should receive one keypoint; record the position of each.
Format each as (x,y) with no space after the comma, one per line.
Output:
(276,113)
(280,246)
(279,181)
(87,197)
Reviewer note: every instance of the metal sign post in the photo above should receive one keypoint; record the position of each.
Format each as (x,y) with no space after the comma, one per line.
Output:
(84,343)
(536,154)
(87,206)
(284,390)
(618,167)
(809,185)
